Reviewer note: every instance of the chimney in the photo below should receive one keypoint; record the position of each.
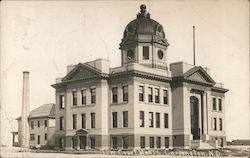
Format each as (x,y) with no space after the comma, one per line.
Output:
(25,112)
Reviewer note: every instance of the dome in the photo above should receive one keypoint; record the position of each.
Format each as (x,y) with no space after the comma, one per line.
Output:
(144,25)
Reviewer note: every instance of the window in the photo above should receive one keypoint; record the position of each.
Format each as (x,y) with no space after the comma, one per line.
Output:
(45,136)
(157,94)
(74,98)
(38,124)
(142,142)
(125,142)
(151,119)
(93,93)
(92,120)
(151,142)
(141,93)
(62,102)
(114,115)
(73,143)
(114,142)
(84,121)
(157,120)
(150,94)
(141,118)
(166,142)
(61,143)
(32,136)
(125,93)
(221,142)
(114,94)
(214,124)
(83,97)
(32,124)
(214,104)
(220,105)
(125,119)
(145,52)
(38,139)
(61,123)
(92,142)
(165,120)
(165,96)
(74,121)
(220,124)
(45,123)
(158,142)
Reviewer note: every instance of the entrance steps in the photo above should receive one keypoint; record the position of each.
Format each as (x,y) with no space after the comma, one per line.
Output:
(199,144)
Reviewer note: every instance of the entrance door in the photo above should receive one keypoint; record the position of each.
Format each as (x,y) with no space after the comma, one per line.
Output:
(83,142)
(194,112)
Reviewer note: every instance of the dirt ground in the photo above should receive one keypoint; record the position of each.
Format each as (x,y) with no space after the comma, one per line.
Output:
(16,152)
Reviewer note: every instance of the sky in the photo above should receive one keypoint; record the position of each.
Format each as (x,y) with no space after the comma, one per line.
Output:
(43,37)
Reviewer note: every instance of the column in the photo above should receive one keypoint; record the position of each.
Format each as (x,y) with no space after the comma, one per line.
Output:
(204,136)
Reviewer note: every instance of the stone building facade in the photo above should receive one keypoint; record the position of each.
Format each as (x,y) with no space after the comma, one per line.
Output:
(143,104)
(41,127)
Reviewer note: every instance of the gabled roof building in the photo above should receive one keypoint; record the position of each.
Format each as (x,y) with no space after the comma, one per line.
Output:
(144,103)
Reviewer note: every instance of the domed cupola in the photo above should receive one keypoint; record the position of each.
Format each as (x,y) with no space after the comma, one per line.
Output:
(144,42)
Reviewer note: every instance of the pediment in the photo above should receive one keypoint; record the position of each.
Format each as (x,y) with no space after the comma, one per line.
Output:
(81,71)
(198,74)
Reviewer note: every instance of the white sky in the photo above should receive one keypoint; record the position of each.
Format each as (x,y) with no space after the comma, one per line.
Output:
(45,37)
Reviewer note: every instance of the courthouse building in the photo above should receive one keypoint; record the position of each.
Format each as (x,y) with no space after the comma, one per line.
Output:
(144,103)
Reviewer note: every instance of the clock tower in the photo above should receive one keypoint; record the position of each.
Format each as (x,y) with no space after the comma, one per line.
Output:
(144,42)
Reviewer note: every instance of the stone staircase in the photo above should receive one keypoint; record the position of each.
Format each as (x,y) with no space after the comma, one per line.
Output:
(199,144)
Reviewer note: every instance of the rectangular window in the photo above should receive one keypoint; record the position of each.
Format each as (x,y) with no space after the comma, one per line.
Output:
(220,124)
(84,121)
(215,124)
(150,94)
(61,123)
(151,119)
(45,123)
(74,121)
(125,119)
(141,118)
(166,142)
(158,142)
(114,115)
(93,95)
(165,96)
(220,105)
(74,98)
(145,52)
(125,142)
(214,104)
(125,93)
(62,102)
(73,143)
(38,124)
(38,139)
(45,136)
(165,120)
(92,120)
(142,142)
(221,142)
(141,93)
(157,120)
(92,142)
(157,95)
(61,143)
(83,97)
(114,142)
(32,136)
(32,124)
(151,142)
(114,94)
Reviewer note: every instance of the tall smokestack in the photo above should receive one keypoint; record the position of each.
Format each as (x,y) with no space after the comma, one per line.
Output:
(25,112)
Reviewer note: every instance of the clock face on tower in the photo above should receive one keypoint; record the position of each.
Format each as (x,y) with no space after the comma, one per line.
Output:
(160,54)
(130,55)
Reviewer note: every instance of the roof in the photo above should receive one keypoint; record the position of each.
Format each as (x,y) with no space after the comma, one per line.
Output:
(47,110)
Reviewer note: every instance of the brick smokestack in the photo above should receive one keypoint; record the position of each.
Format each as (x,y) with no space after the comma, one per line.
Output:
(25,112)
